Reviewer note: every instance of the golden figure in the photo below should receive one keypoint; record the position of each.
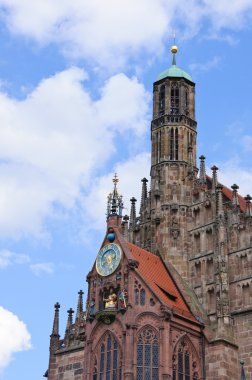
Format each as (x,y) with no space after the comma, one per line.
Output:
(111,300)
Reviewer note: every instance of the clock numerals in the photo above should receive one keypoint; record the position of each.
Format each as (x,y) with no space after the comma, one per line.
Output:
(108,259)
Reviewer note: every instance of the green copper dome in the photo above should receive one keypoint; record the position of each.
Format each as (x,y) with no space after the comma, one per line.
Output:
(174,72)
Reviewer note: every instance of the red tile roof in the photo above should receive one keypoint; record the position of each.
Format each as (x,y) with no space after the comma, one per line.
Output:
(229,194)
(156,275)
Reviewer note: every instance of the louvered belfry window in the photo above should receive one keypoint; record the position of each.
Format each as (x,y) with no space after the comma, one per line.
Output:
(147,355)
(108,365)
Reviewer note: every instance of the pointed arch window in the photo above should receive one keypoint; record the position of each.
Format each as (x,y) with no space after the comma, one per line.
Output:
(185,365)
(186,102)
(147,355)
(174,144)
(161,108)
(136,296)
(108,367)
(174,100)
(142,297)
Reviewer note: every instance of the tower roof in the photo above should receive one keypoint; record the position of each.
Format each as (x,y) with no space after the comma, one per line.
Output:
(174,71)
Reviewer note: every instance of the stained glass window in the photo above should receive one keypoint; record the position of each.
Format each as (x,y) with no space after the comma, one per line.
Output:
(184,366)
(147,355)
(109,366)
(142,297)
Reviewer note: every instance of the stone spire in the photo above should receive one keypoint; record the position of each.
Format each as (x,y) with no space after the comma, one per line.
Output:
(144,193)
(79,312)
(248,205)
(114,203)
(214,177)
(54,342)
(202,174)
(55,330)
(69,323)
(133,213)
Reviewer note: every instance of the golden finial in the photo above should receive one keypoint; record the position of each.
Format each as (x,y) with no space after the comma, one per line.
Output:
(174,49)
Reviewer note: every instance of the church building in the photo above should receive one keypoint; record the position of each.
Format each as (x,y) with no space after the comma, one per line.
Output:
(170,292)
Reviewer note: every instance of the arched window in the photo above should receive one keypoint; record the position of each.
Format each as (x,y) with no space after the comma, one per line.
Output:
(186,102)
(142,297)
(174,144)
(174,100)
(184,362)
(136,296)
(161,108)
(147,355)
(109,367)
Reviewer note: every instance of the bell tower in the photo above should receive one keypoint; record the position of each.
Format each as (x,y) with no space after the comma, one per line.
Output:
(173,128)
(165,217)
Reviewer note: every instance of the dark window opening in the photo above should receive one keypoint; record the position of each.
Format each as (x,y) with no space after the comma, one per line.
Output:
(174,101)
(162,101)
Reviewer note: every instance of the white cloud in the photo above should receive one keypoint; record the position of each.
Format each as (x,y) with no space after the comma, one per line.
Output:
(8,258)
(41,268)
(53,142)
(109,32)
(130,174)
(14,336)
(231,172)
(206,66)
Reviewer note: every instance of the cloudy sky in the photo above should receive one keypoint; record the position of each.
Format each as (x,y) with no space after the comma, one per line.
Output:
(75,107)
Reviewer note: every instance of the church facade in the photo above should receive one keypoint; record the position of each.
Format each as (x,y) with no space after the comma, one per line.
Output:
(170,293)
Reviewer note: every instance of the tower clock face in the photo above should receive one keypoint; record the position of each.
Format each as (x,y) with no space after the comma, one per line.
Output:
(108,259)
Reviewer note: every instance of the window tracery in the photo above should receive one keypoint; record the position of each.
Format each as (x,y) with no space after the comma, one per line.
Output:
(147,355)
(184,363)
(174,99)
(162,100)
(108,365)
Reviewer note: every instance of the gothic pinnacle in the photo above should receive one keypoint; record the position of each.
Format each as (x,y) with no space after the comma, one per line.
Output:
(248,199)
(202,169)
(133,213)
(55,330)
(144,192)
(79,312)
(214,177)
(235,200)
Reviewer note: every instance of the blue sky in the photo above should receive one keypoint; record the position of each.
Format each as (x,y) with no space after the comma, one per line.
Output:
(75,107)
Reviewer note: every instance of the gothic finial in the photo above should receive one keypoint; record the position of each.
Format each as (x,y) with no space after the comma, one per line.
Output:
(55,330)
(133,213)
(79,312)
(235,200)
(174,49)
(202,169)
(144,193)
(214,177)
(248,204)
(115,202)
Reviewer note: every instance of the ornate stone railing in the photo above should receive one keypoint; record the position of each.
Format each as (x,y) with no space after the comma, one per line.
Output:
(173,119)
